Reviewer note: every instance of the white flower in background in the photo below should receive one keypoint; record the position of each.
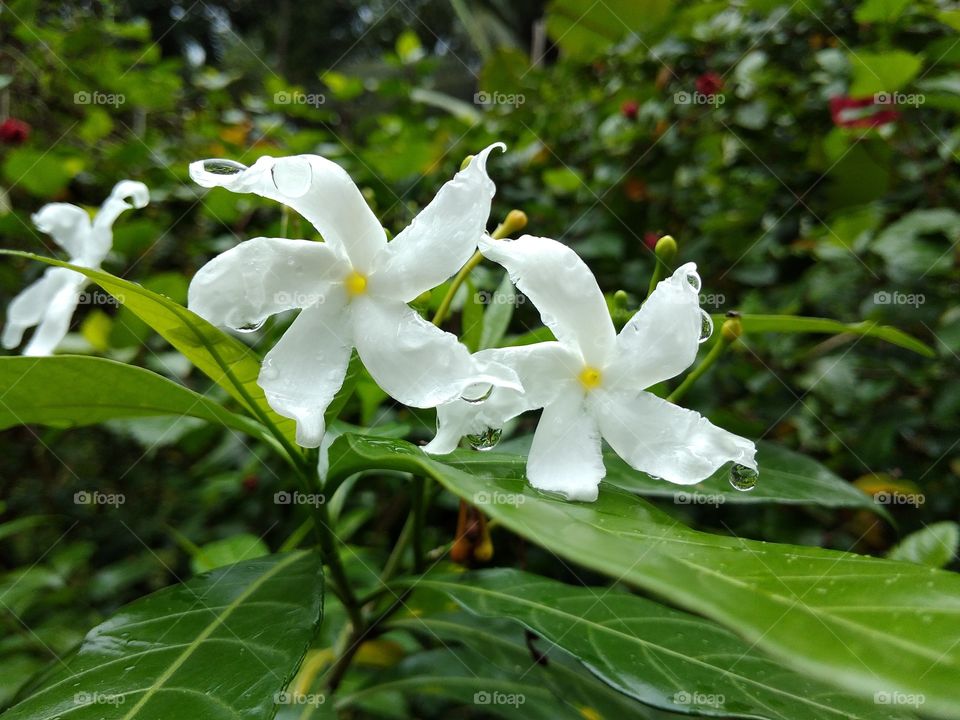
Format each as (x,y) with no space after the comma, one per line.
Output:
(49,303)
(591,381)
(352,290)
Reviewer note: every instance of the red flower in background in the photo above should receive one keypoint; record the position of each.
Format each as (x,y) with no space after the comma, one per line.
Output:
(14,132)
(710,83)
(849,112)
(650,239)
(629,109)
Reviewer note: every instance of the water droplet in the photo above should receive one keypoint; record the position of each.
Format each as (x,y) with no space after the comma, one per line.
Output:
(292,176)
(223,167)
(706,326)
(250,327)
(269,372)
(477,392)
(694,281)
(743,478)
(485,440)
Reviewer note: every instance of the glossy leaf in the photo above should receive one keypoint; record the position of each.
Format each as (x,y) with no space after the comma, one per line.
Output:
(934,545)
(218,647)
(224,359)
(869,625)
(67,391)
(662,657)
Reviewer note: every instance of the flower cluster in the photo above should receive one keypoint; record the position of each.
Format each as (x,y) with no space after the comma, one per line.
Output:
(353,290)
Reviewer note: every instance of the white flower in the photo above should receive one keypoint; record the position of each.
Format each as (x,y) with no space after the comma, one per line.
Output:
(352,289)
(590,382)
(50,302)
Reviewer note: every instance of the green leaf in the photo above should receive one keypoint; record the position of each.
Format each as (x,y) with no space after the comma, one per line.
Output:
(794,324)
(869,625)
(919,244)
(934,545)
(472,318)
(218,647)
(584,31)
(39,172)
(499,312)
(882,72)
(224,359)
(662,657)
(68,391)
(786,477)
(874,11)
(228,551)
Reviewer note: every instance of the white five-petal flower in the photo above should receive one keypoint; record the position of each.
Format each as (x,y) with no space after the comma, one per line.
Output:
(352,290)
(50,302)
(591,381)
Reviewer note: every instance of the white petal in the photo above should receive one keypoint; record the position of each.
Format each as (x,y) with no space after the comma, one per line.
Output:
(126,194)
(544,371)
(258,278)
(68,225)
(564,290)
(566,455)
(441,238)
(661,340)
(303,371)
(662,439)
(315,187)
(414,361)
(33,305)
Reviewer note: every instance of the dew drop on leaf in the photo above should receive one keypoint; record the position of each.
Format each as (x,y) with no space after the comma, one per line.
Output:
(706,326)
(485,440)
(743,478)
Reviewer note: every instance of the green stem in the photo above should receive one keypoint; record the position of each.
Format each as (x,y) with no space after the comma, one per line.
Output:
(659,270)
(396,555)
(417,512)
(455,284)
(716,351)
(328,544)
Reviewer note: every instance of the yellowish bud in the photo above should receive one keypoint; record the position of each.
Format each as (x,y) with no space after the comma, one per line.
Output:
(666,249)
(731,329)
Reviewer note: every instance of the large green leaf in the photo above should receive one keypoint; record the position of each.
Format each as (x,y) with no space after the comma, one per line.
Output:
(224,359)
(934,545)
(662,657)
(218,647)
(786,477)
(870,625)
(882,72)
(795,324)
(67,391)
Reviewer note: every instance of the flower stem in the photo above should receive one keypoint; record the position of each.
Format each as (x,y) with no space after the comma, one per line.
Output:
(715,352)
(514,221)
(417,512)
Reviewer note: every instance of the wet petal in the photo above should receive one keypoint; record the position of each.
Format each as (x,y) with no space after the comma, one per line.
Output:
(126,195)
(564,290)
(441,238)
(318,189)
(661,340)
(53,291)
(303,371)
(258,278)
(565,456)
(414,361)
(544,371)
(662,439)
(68,225)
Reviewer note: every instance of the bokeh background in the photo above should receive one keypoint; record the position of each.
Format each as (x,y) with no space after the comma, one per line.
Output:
(803,154)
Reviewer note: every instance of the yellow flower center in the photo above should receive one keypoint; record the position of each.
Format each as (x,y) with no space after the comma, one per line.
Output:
(356,283)
(590,378)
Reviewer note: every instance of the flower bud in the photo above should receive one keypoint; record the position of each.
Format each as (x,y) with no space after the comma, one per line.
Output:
(731,329)
(466,161)
(666,250)
(515,221)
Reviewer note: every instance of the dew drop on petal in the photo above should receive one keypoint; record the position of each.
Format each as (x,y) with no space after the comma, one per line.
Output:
(485,440)
(477,392)
(250,327)
(694,281)
(223,167)
(706,326)
(743,478)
